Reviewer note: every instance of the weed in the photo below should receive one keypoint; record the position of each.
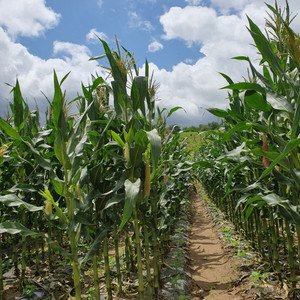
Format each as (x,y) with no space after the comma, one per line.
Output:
(175,279)
(90,293)
(183,297)
(258,277)
(242,253)
(28,290)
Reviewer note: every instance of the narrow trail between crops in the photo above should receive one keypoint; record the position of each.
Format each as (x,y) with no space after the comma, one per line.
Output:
(213,268)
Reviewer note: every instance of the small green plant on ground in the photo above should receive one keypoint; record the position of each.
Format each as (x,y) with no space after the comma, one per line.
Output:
(242,252)
(90,293)
(227,234)
(175,280)
(28,290)
(183,297)
(258,277)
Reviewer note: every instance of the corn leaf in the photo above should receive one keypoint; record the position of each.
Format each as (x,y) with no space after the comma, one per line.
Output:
(264,47)
(116,199)
(155,142)
(140,82)
(16,228)
(173,110)
(13,200)
(18,110)
(94,248)
(237,128)
(60,150)
(9,130)
(279,102)
(256,101)
(117,74)
(271,155)
(117,138)
(288,149)
(41,161)
(234,154)
(245,86)
(119,103)
(132,190)
(57,103)
(218,112)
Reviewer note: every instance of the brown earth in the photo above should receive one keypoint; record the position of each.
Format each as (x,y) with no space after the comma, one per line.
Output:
(213,268)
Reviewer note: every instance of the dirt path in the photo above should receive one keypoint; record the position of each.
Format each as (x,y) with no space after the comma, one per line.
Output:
(213,268)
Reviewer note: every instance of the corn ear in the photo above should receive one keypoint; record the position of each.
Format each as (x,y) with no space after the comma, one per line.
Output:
(49,199)
(127,152)
(3,149)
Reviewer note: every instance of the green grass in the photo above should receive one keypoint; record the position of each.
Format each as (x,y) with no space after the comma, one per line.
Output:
(193,140)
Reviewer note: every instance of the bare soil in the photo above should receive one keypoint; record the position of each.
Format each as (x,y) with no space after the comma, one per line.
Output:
(213,267)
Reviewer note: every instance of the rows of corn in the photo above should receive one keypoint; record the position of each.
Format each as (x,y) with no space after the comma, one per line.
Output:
(108,178)
(251,166)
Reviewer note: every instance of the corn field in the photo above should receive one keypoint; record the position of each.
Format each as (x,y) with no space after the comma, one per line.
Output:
(108,179)
(251,167)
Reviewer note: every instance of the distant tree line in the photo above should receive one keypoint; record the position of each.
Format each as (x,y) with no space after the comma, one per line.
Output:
(199,128)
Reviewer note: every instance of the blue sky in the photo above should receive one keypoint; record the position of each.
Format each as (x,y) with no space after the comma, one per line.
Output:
(135,23)
(186,42)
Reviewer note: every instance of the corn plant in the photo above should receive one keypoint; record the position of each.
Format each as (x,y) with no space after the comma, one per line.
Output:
(100,175)
(19,181)
(256,153)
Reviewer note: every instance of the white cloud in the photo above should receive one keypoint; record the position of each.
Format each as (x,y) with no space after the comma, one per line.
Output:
(136,21)
(225,6)
(189,61)
(196,85)
(27,18)
(193,2)
(74,51)
(240,6)
(190,23)
(36,74)
(220,37)
(193,87)
(100,3)
(93,35)
(155,46)
(32,18)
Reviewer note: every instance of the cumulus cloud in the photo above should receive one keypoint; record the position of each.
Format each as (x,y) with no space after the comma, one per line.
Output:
(92,36)
(189,61)
(227,6)
(36,74)
(136,21)
(155,46)
(220,35)
(190,24)
(193,2)
(218,31)
(196,85)
(27,18)
(32,18)
(194,91)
